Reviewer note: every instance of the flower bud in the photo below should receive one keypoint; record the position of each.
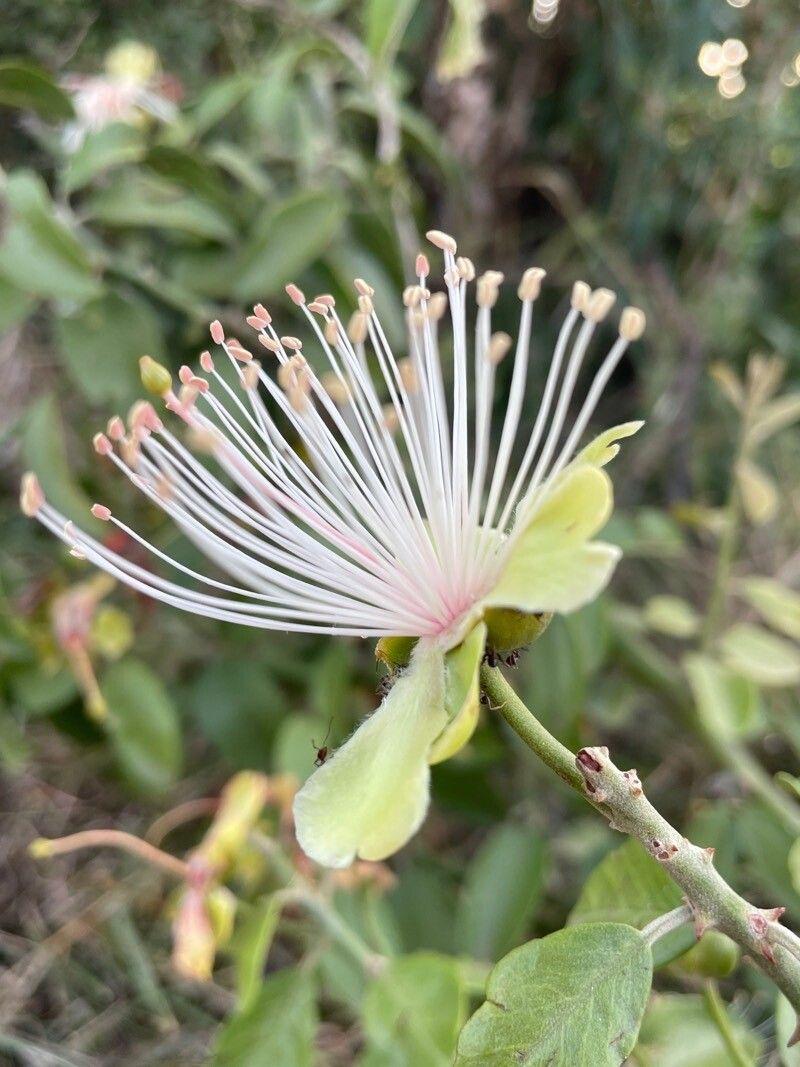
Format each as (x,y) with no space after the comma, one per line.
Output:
(508,628)
(240,806)
(155,377)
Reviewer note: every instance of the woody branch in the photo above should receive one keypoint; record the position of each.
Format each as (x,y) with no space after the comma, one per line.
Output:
(619,796)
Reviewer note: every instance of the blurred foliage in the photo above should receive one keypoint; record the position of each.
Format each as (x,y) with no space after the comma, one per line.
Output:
(313,140)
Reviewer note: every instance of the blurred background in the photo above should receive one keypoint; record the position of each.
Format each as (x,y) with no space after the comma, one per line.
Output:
(167,164)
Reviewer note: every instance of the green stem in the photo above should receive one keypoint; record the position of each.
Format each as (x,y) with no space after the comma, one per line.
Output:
(298,890)
(619,796)
(718,1012)
(665,924)
(727,546)
(372,963)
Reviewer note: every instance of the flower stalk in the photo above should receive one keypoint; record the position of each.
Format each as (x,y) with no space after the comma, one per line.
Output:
(620,797)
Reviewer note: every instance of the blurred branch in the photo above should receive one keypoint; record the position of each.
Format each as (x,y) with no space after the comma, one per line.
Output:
(619,795)
(44,847)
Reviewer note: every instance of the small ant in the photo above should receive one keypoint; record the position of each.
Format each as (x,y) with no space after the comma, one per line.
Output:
(322,750)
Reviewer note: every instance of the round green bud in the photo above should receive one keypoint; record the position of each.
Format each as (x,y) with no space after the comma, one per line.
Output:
(714,956)
(508,629)
(155,377)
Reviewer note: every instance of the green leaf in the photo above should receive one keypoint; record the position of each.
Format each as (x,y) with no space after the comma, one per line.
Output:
(677,1031)
(760,656)
(252,943)
(41,692)
(238,705)
(502,888)
(113,146)
(290,237)
(143,727)
(575,997)
(217,101)
(413,1011)
(146,201)
(25,85)
(759,492)
(628,886)
(728,704)
(277,1028)
(385,22)
(44,451)
(776,603)
(40,253)
(774,417)
(671,615)
(15,305)
(766,846)
(785,1025)
(190,169)
(101,344)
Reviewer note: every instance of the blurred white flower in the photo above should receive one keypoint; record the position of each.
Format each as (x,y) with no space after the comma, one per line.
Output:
(130,89)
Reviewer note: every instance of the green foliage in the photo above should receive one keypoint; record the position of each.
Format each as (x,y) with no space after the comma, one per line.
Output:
(27,86)
(413,1011)
(493,913)
(678,1032)
(142,726)
(543,1001)
(314,141)
(276,1027)
(628,886)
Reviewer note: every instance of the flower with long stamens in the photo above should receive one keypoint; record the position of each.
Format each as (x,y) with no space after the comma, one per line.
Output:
(358,494)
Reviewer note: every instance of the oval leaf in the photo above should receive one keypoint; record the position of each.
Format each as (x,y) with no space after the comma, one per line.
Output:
(760,656)
(288,240)
(494,912)
(25,85)
(776,603)
(412,1012)
(278,1027)
(575,997)
(143,726)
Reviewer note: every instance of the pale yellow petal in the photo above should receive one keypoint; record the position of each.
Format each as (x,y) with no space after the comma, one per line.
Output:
(372,794)
(556,581)
(462,695)
(603,448)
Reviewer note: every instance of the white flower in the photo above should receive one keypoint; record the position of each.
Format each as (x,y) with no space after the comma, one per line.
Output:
(128,90)
(366,501)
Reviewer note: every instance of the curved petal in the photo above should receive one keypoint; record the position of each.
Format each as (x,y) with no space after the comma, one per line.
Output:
(371,796)
(567,513)
(603,448)
(462,695)
(556,581)
(552,567)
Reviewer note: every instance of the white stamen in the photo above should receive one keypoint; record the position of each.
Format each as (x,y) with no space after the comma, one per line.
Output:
(379,523)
